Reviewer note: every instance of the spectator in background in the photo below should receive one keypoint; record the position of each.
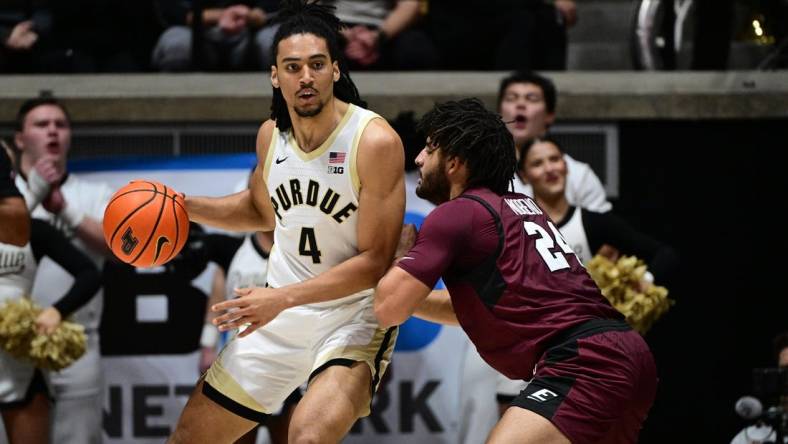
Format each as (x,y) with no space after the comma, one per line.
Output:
(75,207)
(527,103)
(77,36)
(25,28)
(501,34)
(232,38)
(543,166)
(24,391)
(381,34)
(102,35)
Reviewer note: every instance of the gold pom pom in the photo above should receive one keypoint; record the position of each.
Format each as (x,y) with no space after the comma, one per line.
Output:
(17,327)
(19,338)
(622,283)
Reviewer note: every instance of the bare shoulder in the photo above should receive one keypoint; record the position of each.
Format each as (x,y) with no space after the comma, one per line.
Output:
(264,135)
(380,139)
(381,157)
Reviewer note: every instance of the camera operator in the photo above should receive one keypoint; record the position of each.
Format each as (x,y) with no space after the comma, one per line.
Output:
(769,383)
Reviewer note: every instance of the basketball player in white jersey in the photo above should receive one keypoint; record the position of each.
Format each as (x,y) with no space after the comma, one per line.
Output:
(24,391)
(330,182)
(76,208)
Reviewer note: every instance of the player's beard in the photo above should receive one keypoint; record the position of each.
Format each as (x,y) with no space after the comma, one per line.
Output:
(434,186)
(309,112)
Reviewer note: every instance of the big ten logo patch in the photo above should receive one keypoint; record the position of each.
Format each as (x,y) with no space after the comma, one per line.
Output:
(336,169)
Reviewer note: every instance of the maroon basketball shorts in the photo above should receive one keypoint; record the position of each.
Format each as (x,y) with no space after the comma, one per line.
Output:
(595,383)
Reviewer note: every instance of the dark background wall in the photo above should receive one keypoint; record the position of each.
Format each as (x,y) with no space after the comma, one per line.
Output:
(715,190)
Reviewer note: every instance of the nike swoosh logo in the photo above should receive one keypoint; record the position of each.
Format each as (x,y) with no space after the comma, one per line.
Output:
(159,244)
(405,257)
(278,160)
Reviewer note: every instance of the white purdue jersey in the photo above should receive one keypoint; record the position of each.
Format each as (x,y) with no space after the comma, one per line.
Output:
(315,198)
(17,271)
(248,268)
(91,198)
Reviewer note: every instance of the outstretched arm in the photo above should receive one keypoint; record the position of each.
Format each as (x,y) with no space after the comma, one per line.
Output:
(437,308)
(400,295)
(248,210)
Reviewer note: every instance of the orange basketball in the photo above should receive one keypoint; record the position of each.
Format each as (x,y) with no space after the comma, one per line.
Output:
(146,224)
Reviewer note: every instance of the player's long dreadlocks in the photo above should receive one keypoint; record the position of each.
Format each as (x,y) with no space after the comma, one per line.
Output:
(308,17)
(466,129)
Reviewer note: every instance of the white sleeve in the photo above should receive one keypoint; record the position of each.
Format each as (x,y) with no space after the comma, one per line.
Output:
(583,187)
(91,197)
(103,195)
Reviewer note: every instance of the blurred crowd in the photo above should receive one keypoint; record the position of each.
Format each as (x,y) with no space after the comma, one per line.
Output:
(106,36)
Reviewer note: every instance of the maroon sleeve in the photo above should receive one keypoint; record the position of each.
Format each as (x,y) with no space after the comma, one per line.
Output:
(443,233)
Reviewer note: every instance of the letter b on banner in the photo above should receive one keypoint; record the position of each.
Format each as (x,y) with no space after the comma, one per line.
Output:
(150,312)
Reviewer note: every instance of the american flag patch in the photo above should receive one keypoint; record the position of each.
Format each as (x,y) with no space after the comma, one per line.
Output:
(334,157)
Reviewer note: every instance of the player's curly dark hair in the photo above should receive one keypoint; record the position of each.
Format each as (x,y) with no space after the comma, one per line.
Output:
(467,130)
(309,17)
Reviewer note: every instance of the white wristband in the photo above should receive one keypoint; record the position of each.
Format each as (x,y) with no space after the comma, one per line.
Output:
(72,216)
(38,187)
(209,336)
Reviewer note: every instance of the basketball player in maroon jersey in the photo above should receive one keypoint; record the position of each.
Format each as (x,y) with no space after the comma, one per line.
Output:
(518,291)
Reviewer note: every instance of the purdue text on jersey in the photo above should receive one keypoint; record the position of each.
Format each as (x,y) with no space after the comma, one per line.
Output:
(288,196)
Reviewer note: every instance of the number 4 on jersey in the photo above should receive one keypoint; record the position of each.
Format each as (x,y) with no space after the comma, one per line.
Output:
(307,245)
(544,243)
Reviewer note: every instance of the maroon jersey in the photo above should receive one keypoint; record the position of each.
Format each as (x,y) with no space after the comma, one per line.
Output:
(514,282)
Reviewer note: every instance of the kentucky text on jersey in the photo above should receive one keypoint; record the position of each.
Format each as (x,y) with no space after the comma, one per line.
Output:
(294,193)
(523,207)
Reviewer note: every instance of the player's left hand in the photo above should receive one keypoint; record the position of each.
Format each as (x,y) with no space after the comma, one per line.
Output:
(254,307)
